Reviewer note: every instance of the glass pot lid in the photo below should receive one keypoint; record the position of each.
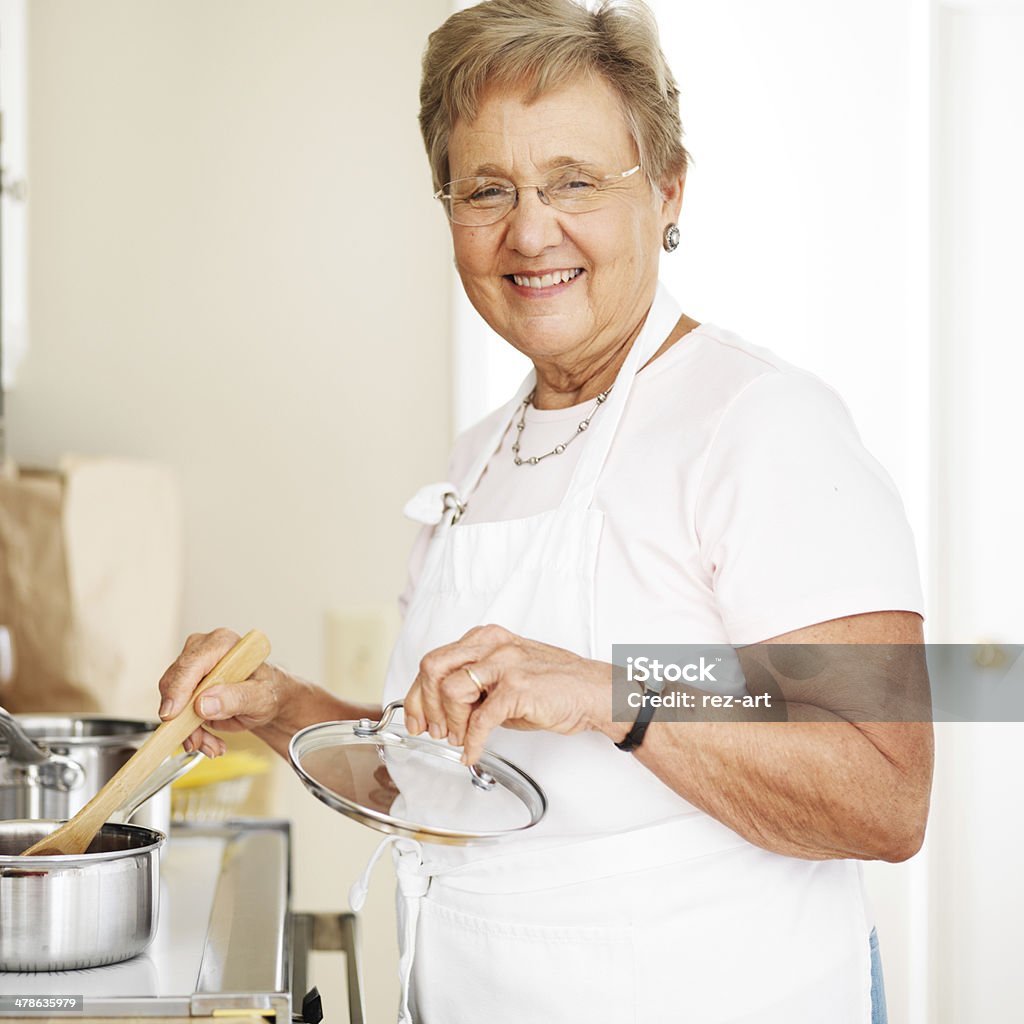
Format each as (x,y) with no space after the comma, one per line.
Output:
(378,774)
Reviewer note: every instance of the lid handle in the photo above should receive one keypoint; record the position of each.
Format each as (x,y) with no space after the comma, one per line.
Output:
(367,727)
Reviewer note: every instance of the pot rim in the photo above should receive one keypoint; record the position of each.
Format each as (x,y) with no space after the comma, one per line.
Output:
(156,840)
(34,723)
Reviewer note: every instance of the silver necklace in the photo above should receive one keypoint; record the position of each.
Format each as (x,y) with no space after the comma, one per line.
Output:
(559,448)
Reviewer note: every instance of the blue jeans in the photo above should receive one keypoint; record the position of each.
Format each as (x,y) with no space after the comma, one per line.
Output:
(879,1015)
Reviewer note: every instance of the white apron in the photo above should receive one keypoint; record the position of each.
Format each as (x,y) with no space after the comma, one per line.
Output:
(587,919)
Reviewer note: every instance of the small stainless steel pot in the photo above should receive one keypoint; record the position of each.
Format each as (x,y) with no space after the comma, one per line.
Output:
(100,745)
(62,913)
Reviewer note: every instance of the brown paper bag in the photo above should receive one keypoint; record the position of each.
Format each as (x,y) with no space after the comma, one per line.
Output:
(90,584)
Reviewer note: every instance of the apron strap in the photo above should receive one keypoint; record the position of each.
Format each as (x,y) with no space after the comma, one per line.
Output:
(502,420)
(412,887)
(661,319)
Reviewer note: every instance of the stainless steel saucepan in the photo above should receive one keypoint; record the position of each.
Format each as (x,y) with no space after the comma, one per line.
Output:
(61,913)
(65,912)
(52,765)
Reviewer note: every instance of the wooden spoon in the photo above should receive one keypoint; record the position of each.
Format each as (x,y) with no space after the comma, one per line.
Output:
(74,836)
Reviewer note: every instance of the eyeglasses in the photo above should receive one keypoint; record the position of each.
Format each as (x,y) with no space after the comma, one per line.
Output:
(485,200)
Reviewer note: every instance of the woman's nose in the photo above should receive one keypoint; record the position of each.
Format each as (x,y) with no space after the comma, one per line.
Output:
(533,224)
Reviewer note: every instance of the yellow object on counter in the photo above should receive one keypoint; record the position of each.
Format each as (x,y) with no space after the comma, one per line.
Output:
(235,764)
(217,787)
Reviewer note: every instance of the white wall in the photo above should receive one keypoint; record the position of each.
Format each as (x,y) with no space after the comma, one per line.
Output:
(13,161)
(978,892)
(236,268)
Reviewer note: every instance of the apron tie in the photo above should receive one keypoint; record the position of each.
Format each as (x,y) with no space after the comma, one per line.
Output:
(429,504)
(412,887)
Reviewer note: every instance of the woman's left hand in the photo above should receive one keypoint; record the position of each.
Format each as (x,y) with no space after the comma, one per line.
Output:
(523,685)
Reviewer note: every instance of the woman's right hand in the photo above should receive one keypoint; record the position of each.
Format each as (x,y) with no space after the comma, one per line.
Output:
(233,707)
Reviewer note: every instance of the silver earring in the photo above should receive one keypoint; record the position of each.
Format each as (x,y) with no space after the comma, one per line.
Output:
(670,239)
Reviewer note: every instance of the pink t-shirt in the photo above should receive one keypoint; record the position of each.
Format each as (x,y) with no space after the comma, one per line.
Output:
(739,501)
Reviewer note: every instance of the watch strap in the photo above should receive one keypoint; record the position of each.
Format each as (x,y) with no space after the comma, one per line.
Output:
(635,736)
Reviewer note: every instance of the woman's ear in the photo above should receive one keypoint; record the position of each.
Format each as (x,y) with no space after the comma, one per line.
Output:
(672,197)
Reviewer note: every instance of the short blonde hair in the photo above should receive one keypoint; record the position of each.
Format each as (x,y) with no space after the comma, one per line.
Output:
(540,45)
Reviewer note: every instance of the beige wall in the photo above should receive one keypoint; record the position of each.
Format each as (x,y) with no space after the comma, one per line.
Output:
(236,268)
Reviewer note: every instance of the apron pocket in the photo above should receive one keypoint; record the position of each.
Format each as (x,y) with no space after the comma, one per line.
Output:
(470,969)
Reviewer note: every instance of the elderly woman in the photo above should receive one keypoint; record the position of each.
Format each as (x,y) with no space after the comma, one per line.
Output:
(655,480)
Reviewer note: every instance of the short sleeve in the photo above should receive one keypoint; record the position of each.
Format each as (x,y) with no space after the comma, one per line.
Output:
(797,522)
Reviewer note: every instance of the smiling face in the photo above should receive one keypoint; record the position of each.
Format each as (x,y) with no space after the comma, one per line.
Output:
(567,289)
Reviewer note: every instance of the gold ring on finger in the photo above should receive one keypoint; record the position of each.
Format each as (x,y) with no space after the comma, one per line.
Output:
(472,675)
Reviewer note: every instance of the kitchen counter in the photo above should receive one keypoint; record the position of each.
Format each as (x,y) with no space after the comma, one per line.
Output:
(223,942)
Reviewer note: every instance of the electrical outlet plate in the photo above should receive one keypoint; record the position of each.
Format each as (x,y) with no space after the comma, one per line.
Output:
(357,647)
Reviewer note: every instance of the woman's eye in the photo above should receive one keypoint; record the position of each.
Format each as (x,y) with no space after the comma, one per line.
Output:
(488,193)
(574,186)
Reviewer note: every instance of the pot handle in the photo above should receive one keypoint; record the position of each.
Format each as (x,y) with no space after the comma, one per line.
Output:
(20,746)
(173,768)
(27,760)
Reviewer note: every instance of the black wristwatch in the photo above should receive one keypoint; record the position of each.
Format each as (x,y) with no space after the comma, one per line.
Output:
(635,736)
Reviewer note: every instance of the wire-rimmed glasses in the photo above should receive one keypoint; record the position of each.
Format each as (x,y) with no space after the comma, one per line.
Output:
(484,200)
